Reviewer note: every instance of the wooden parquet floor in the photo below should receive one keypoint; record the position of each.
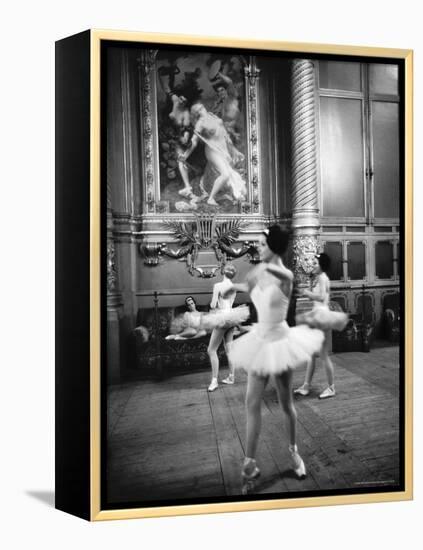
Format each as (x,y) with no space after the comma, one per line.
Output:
(172,440)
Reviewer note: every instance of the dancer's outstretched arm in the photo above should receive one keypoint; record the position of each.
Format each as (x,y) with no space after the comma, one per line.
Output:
(248,284)
(281,272)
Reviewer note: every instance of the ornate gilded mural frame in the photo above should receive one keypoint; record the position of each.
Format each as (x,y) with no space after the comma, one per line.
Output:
(149,133)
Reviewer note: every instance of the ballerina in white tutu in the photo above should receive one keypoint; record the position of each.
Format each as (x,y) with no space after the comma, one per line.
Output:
(222,333)
(189,324)
(196,324)
(321,317)
(271,348)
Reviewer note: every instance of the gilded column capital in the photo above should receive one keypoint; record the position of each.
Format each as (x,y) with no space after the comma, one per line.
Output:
(305,248)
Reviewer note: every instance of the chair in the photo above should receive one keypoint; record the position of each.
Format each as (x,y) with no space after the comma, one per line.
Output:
(391,316)
(358,334)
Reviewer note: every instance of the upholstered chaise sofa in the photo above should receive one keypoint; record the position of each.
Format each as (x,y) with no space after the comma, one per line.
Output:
(158,356)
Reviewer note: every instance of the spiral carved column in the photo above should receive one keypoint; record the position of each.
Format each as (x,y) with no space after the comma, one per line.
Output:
(305,212)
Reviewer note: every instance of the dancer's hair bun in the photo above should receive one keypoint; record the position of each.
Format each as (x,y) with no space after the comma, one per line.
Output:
(324,261)
(277,239)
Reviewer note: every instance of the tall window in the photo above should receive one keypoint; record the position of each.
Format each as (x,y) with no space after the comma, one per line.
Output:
(359,169)
(359,141)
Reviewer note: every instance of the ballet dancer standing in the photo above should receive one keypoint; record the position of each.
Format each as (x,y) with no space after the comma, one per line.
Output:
(321,317)
(271,348)
(223,333)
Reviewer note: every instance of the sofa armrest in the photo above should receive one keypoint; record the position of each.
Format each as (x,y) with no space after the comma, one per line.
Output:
(141,334)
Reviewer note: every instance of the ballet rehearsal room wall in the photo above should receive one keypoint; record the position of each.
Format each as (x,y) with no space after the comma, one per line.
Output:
(359,224)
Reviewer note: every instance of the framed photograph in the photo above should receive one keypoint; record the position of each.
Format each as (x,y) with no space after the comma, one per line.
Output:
(233,275)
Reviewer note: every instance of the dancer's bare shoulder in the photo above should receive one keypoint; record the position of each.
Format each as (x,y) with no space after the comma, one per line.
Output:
(254,275)
(280,272)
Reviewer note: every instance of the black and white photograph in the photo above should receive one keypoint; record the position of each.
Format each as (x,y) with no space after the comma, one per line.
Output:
(211,275)
(253,275)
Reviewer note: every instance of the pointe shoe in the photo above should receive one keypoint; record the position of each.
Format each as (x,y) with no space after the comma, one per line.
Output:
(328,392)
(213,385)
(212,202)
(297,462)
(229,380)
(250,473)
(302,390)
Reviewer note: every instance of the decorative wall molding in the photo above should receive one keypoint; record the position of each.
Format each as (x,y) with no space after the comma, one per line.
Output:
(199,236)
(148,128)
(111,268)
(151,229)
(127,135)
(252,73)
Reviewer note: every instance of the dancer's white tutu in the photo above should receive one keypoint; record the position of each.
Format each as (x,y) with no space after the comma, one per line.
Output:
(189,319)
(323,318)
(272,348)
(219,318)
(224,318)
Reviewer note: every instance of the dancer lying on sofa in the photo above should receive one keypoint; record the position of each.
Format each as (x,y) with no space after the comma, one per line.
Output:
(195,324)
(187,325)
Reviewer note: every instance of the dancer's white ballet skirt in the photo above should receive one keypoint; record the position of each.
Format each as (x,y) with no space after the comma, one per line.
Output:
(219,318)
(323,318)
(272,347)
(224,318)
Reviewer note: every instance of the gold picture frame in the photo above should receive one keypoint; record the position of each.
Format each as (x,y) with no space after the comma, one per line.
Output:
(79,487)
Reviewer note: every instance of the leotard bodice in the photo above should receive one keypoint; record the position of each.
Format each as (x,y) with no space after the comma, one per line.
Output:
(322,284)
(271,304)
